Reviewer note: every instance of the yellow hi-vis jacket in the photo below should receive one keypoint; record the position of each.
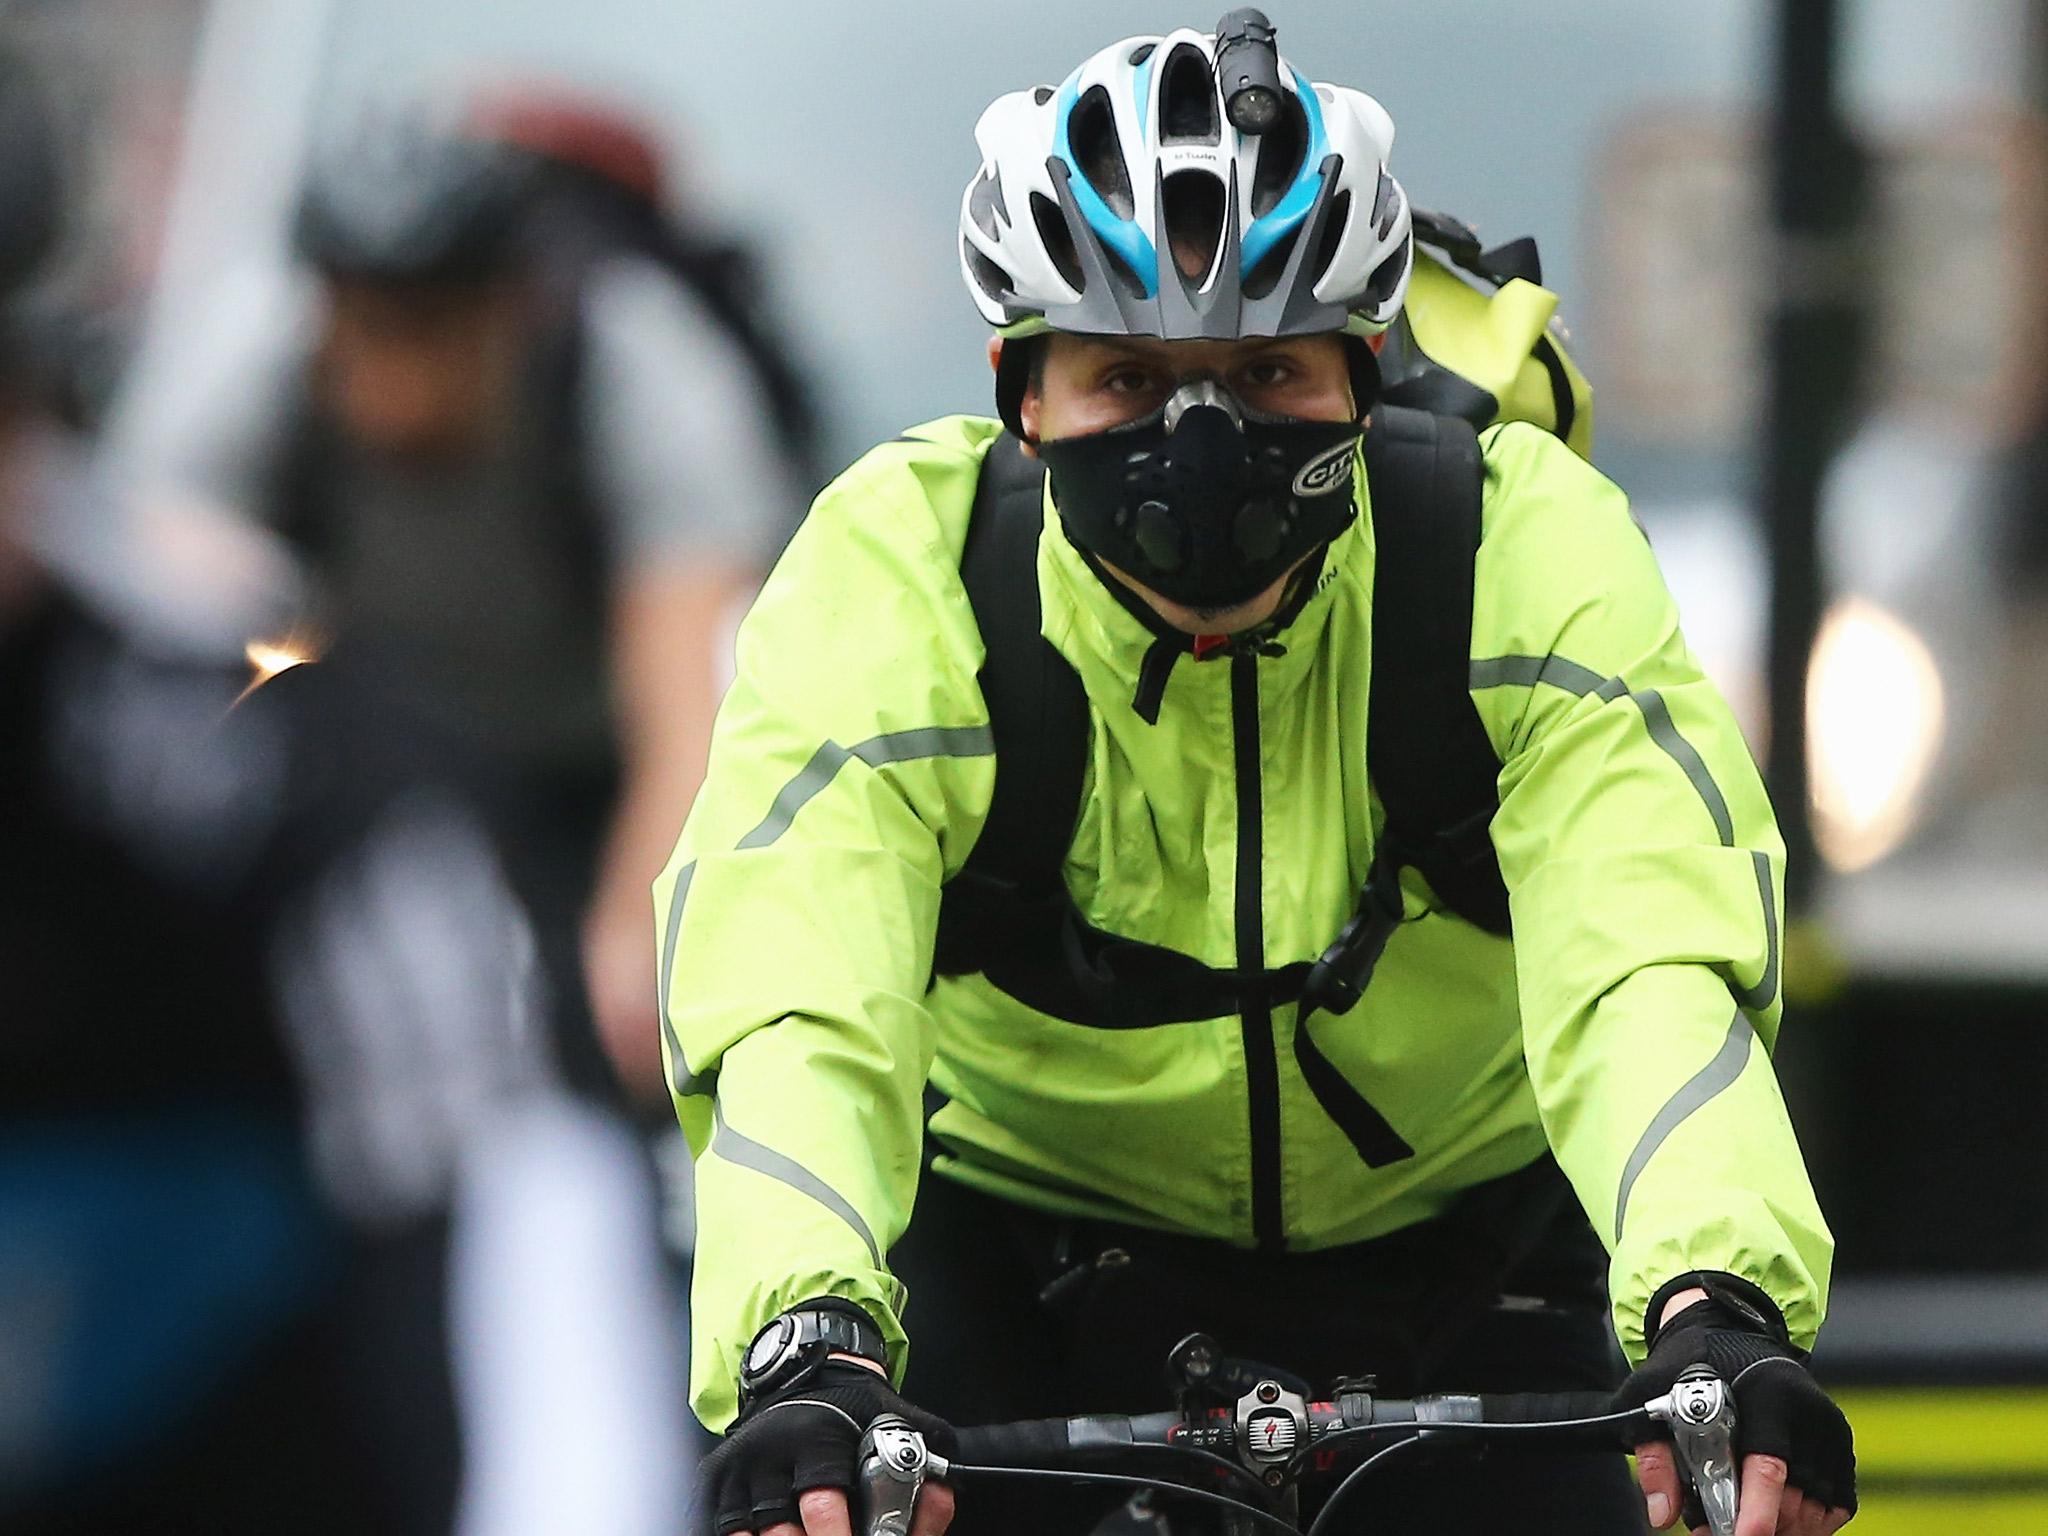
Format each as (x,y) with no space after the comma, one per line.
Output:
(1626,1026)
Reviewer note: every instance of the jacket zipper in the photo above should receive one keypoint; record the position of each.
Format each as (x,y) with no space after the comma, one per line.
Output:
(1261,1064)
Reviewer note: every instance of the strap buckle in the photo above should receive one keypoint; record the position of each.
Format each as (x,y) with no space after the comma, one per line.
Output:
(1338,980)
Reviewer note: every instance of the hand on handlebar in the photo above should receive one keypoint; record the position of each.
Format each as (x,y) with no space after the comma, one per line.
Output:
(786,1468)
(1798,1463)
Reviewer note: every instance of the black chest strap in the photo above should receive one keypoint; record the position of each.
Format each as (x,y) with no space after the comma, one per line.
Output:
(1007,913)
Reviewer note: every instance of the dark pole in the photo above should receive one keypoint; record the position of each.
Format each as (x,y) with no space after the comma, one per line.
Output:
(1818,264)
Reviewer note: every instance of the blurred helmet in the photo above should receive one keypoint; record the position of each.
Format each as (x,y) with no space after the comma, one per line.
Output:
(31,198)
(405,202)
(1128,202)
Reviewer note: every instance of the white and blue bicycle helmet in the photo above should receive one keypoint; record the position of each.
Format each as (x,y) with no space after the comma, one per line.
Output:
(1125,201)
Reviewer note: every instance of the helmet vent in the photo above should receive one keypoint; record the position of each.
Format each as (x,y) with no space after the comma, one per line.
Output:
(1386,206)
(1333,233)
(1041,94)
(1058,242)
(1281,151)
(1188,110)
(1141,53)
(1260,282)
(1385,279)
(1122,272)
(994,281)
(1092,133)
(1194,204)
(985,204)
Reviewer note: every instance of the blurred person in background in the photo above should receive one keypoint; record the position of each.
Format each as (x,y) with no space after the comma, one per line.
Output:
(530,477)
(603,191)
(291,1215)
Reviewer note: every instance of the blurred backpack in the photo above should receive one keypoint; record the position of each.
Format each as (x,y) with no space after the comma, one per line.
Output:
(602,190)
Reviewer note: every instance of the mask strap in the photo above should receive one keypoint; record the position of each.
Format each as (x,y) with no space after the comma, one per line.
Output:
(1365,374)
(1013,377)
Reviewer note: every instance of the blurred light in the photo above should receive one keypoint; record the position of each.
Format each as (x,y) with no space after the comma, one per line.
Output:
(1873,726)
(268,658)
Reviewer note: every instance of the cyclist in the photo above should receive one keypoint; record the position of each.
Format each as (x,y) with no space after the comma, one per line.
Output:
(1132,1117)
(534,502)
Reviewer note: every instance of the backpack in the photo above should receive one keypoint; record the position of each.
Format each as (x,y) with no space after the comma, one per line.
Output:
(1479,337)
(585,217)
(1007,913)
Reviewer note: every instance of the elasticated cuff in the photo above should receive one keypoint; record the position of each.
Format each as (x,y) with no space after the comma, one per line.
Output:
(1741,1303)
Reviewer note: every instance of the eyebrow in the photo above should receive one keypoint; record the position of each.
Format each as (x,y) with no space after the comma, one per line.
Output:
(1152,349)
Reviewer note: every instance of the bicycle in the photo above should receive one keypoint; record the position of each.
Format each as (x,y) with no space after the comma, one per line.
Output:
(1267,1437)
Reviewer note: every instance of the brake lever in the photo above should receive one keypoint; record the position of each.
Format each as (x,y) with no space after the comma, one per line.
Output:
(1701,1412)
(894,1463)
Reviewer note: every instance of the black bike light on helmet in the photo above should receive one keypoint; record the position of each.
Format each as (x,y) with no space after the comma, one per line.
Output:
(1205,501)
(1248,70)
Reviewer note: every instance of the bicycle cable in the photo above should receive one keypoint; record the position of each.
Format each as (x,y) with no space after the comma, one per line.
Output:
(1123,1480)
(1193,1453)
(1351,1479)
(1414,1434)
(1418,1430)
(1222,1464)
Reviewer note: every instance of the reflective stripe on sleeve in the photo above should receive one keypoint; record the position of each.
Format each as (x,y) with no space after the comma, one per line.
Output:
(891,747)
(1698,1090)
(895,747)
(1572,678)
(1759,997)
(745,1152)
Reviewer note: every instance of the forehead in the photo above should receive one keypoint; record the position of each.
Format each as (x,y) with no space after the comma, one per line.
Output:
(1088,351)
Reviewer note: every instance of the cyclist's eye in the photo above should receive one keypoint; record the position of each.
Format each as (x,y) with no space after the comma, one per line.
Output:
(1268,372)
(1127,381)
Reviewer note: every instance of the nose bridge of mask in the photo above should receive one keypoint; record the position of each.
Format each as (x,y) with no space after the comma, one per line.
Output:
(1207,454)
(1203,389)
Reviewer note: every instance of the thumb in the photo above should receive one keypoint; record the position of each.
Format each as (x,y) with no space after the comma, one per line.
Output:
(1658,1472)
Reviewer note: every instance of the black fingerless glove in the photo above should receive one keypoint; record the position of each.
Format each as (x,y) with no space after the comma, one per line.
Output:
(806,1436)
(1780,1410)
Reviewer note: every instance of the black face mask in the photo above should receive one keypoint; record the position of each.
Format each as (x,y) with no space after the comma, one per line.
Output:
(1205,501)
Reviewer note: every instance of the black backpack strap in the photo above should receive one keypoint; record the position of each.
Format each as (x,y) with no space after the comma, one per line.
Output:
(1007,911)
(1430,758)
(727,278)
(1435,390)
(560,381)
(1038,720)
